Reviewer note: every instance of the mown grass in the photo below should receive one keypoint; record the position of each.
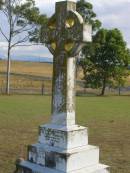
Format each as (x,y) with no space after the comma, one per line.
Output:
(107,119)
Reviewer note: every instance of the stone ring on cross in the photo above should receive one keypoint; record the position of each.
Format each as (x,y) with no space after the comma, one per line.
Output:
(66,32)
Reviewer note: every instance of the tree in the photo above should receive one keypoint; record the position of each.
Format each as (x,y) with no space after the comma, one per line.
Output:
(107,56)
(1,3)
(23,20)
(86,11)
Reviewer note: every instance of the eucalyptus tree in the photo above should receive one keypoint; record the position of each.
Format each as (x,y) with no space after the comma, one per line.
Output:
(23,19)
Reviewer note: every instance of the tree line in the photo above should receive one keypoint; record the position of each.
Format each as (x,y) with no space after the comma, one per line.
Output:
(105,60)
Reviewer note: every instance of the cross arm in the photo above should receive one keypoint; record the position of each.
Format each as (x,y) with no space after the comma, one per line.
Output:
(79,32)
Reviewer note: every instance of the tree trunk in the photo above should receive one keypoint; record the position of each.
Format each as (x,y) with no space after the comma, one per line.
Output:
(8,72)
(104,87)
(9,49)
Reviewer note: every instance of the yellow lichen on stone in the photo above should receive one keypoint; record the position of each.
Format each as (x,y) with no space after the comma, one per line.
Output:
(53,45)
(70,22)
(68,46)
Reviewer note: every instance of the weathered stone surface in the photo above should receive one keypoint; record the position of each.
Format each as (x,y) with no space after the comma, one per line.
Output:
(62,137)
(63,102)
(63,160)
(64,37)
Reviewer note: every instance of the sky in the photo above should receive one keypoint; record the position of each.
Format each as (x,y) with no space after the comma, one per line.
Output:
(112,14)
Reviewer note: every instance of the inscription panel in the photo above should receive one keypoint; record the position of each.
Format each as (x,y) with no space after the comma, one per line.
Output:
(62,138)
(52,137)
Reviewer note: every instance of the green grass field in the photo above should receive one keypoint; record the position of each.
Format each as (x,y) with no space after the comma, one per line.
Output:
(107,119)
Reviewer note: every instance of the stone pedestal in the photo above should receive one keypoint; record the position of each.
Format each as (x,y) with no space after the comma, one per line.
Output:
(62,150)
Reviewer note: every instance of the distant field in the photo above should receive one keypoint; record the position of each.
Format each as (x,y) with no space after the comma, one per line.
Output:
(31,77)
(32,68)
(28,75)
(107,119)
(26,69)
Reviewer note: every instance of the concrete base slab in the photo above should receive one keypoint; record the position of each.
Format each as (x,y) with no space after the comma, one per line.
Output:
(28,167)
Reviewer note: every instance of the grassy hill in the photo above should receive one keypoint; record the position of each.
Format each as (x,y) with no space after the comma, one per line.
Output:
(32,76)
(32,68)
(21,72)
(28,75)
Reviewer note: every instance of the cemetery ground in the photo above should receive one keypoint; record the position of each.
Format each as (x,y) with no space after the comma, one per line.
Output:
(107,119)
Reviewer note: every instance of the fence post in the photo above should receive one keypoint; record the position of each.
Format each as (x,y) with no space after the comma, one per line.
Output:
(43,88)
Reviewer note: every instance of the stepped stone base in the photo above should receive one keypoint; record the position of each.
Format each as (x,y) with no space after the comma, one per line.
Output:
(64,160)
(62,149)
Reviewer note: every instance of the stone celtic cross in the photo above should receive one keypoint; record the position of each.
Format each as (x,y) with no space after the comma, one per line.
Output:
(63,145)
(64,37)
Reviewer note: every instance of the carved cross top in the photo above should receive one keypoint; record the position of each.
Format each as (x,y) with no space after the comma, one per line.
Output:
(66,30)
(64,37)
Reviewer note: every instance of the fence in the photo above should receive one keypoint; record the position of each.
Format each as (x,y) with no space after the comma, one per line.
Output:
(30,84)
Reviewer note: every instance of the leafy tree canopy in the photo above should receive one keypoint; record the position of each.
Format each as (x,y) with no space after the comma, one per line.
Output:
(104,58)
(89,16)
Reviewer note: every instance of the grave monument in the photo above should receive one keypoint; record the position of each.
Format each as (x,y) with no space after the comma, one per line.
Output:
(62,145)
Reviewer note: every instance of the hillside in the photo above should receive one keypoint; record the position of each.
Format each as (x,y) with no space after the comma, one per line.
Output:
(32,68)
(28,75)
(33,77)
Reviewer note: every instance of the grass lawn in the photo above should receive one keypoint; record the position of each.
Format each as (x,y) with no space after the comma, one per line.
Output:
(107,119)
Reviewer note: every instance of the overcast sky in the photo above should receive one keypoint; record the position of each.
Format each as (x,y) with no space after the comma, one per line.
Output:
(113,14)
